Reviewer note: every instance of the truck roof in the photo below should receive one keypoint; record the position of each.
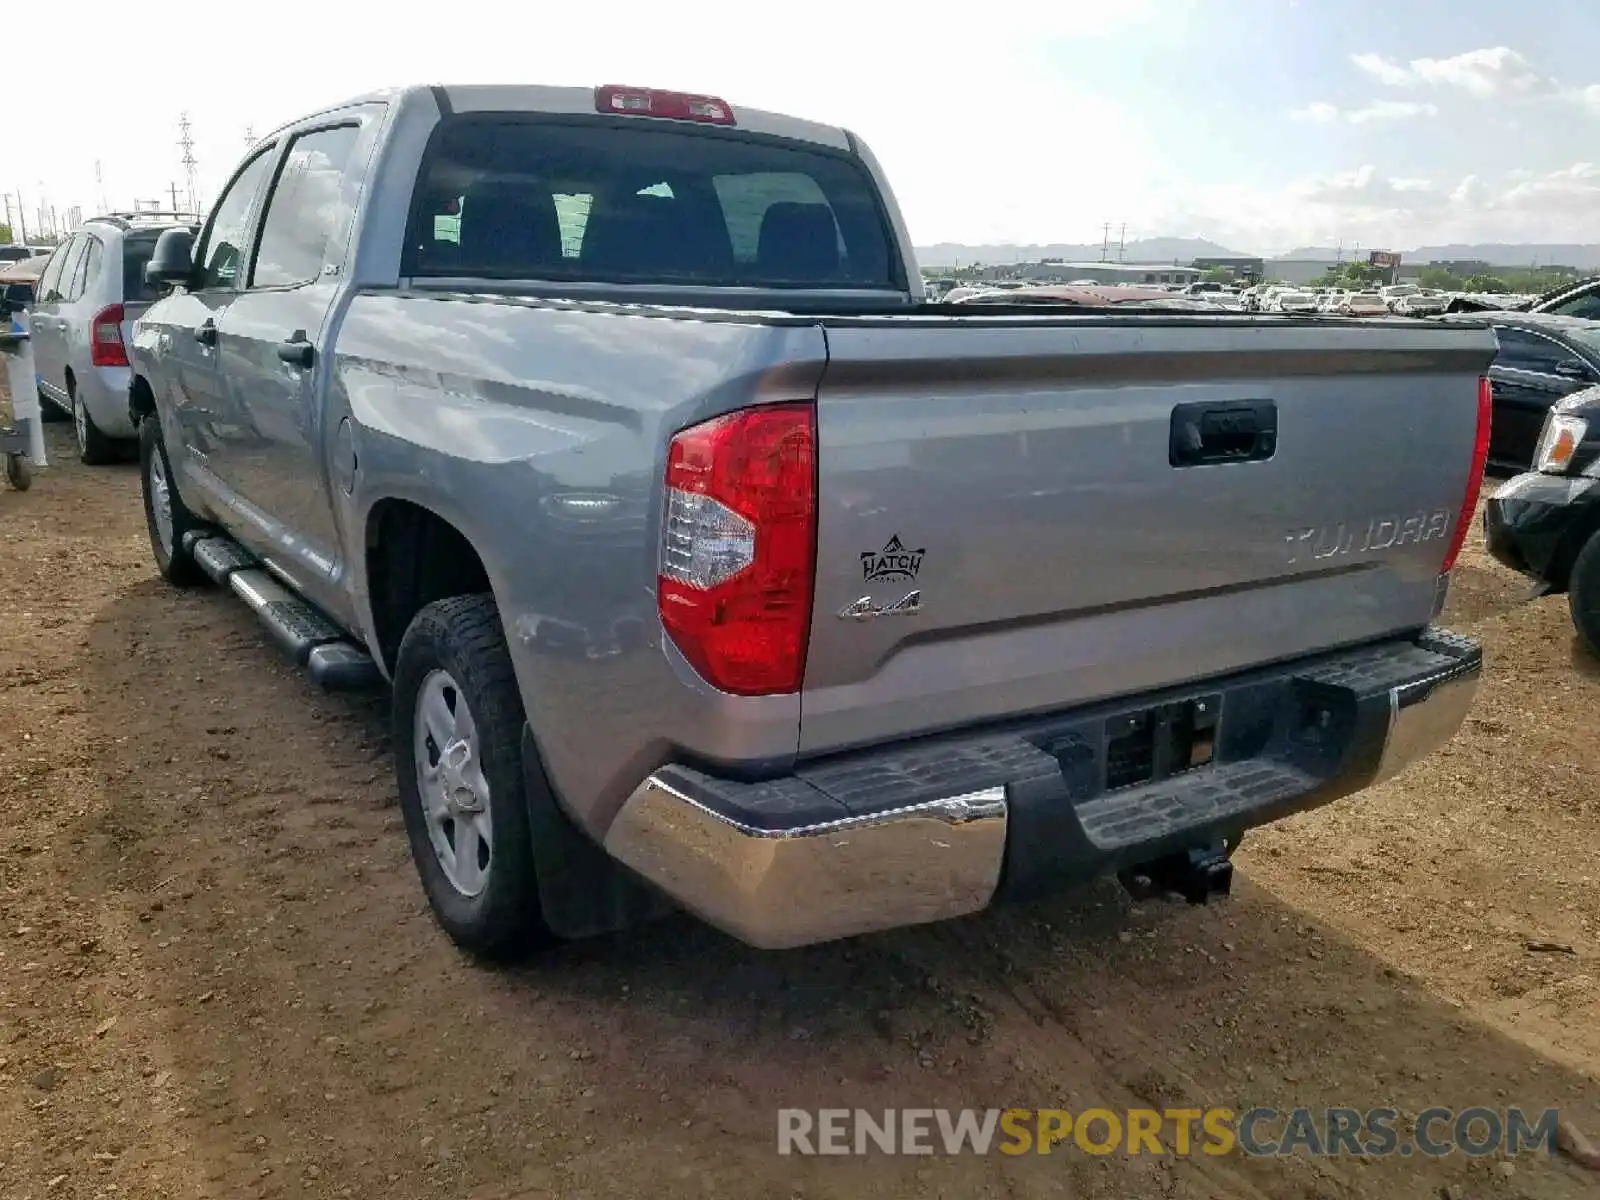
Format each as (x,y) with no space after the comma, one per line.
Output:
(539,98)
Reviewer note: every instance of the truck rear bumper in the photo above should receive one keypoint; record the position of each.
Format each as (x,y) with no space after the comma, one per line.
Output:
(941,827)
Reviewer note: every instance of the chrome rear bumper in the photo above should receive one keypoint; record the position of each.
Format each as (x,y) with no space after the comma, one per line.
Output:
(940,828)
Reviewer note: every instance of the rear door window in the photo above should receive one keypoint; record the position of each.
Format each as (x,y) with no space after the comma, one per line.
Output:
(1523,351)
(518,197)
(69,270)
(306,209)
(50,281)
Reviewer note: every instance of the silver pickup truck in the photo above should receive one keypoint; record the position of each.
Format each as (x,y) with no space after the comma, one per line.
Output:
(712,567)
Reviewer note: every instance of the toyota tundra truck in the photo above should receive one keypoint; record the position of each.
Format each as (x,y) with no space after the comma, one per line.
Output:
(713,568)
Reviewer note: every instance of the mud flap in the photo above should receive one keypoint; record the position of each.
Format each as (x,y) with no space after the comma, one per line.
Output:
(583,891)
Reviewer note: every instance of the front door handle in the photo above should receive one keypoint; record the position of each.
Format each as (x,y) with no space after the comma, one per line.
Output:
(297,351)
(206,335)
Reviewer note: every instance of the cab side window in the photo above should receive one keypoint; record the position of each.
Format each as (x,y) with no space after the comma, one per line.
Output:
(222,250)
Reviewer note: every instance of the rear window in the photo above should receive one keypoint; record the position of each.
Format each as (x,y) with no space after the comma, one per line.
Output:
(136,251)
(592,200)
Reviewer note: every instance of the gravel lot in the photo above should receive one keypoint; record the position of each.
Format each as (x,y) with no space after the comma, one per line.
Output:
(218,977)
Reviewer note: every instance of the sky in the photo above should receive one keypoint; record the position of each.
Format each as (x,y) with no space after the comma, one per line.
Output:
(1260,124)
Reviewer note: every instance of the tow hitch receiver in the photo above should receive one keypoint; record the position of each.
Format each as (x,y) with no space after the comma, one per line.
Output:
(1196,874)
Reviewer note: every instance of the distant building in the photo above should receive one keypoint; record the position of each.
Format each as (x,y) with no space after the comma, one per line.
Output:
(1241,267)
(1051,271)
(1464,267)
(1298,270)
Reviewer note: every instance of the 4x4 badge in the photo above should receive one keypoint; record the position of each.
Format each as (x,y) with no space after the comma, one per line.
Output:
(866,608)
(894,561)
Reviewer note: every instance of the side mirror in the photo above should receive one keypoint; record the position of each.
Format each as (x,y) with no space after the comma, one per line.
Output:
(172,261)
(1572,368)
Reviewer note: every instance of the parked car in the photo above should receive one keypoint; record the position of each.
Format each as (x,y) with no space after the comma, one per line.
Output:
(91,292)
(1541,359)
(819,660)
(1363,304)
(14,254)
(1546,521)
(1421,303)
(1293,302)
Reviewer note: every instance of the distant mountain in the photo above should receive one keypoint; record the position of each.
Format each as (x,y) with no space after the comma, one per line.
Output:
(1496,254)
(1499,254)
(1153,250)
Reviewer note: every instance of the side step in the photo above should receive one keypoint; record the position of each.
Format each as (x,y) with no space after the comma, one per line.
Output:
(304,634)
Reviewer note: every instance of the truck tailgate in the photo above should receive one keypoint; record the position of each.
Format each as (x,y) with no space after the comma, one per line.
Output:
(1048,488)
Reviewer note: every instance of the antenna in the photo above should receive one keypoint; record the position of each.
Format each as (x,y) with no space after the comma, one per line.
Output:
(186,144)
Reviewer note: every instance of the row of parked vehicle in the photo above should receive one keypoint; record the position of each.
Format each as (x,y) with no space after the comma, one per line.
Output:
(86,294)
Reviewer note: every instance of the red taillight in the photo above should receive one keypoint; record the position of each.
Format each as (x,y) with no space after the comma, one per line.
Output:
(653,102)
(105,338)
(1480,456)
(738,547)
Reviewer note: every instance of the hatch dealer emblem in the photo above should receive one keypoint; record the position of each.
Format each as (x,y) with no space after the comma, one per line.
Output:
(894,561)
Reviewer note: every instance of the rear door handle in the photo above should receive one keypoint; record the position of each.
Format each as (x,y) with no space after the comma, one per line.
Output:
(1225,431)
(297,351)
(206,335)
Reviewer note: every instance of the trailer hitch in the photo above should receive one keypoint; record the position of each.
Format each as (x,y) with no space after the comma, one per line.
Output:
(1197,874)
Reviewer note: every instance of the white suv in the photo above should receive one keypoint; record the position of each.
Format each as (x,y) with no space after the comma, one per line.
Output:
(91,292)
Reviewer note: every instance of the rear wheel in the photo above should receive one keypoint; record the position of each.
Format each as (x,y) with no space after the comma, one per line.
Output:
(165,515)
(95,449)
(1583,593)
(458,761)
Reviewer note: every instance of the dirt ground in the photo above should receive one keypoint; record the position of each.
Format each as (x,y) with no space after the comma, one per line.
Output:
(218,977)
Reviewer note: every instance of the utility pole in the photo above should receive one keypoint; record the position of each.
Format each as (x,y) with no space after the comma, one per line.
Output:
(100,186)
(190,166)
(173,189)
(1122,240)
(249,135)
(22,221)
(1105,240)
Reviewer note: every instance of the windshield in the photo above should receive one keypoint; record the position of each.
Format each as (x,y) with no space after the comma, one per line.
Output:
(638,201)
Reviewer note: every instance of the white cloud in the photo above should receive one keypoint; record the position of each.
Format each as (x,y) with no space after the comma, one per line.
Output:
(1319,112)
(1492,71)
(1365,205)
(1390,110)
(1382,69)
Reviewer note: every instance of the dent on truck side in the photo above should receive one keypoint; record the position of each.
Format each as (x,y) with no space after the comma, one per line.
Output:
(539,432)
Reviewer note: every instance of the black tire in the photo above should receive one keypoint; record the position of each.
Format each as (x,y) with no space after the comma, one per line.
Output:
(462,637)
(177,565)
(1583,593)
(95,449)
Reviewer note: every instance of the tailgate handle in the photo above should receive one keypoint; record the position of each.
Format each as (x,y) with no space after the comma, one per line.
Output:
(1226,431)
